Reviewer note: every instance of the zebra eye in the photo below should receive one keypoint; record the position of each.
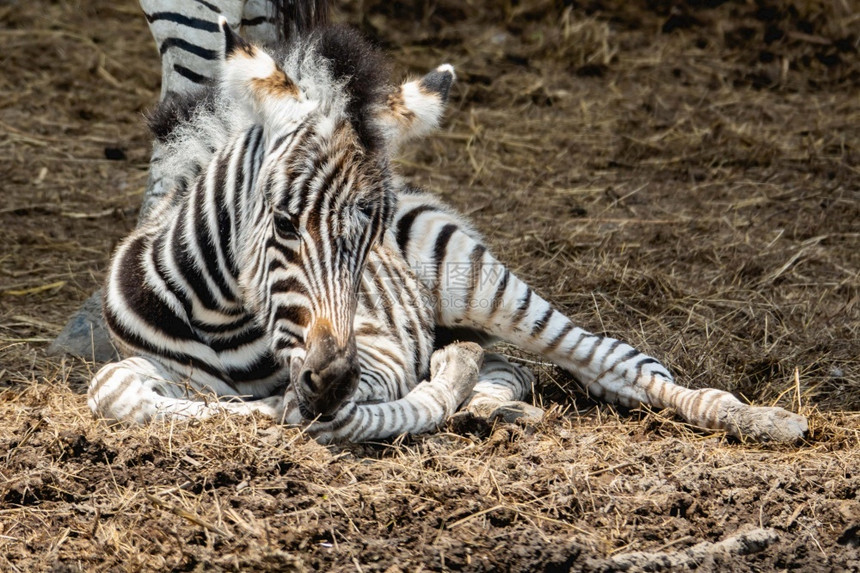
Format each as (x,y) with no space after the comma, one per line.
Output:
(284,226)
(365,208)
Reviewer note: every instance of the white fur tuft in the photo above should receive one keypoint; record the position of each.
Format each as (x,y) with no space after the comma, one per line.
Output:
(428,109)
(193,144)
(274,112)
(447,68)
(416,112)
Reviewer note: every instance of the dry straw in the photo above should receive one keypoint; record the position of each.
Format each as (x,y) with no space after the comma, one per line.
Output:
(667,177)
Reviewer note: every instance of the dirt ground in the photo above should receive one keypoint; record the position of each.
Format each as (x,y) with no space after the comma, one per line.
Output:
(683,176)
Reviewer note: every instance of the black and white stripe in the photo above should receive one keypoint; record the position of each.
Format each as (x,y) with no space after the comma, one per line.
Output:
(287,266)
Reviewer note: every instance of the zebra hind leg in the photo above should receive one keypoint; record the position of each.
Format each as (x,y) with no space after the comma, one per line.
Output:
(138,390)
(500,391)
(473,290)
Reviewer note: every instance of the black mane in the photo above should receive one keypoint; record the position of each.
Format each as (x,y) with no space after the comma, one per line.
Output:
(366,73)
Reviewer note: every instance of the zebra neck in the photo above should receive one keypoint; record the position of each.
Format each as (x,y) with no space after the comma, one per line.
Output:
(203,243)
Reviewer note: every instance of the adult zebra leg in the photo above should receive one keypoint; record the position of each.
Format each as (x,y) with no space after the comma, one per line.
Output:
(472,289)
(453,375)
(138,390)
(188,38)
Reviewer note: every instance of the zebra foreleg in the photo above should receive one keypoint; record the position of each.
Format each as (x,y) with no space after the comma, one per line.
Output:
(453,375)
(500,391)
(138,390)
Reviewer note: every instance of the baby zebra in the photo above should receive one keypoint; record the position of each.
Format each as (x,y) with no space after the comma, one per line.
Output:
(290,272)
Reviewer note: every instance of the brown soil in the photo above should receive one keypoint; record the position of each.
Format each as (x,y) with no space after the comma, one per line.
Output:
(680,175)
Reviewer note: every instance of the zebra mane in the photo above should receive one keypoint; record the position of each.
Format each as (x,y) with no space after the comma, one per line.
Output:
(295,18)
(333,65)
(363,75)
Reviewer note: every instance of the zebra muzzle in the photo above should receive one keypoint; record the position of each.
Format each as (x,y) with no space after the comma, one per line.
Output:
(326,377)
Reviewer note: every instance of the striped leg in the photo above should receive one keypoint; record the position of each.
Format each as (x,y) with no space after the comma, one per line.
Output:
(188,39)
(453,374)
(191,46)
(137,390)
(500,391)
(385,376)
(490,298)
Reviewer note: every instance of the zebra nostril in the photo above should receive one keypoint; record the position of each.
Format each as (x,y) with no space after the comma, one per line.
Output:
(310,381)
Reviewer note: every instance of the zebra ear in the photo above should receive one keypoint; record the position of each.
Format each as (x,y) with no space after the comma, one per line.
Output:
(250,75)
(417,106)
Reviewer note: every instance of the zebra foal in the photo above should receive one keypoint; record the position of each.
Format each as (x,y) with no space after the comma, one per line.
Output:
(288,271)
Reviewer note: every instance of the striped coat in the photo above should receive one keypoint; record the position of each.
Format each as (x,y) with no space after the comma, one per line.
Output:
(287,270)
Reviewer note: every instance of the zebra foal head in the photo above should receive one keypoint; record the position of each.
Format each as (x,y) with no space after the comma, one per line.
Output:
(329,124)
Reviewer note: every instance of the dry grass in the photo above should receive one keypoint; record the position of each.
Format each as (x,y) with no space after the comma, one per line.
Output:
(678,177)
(245,493)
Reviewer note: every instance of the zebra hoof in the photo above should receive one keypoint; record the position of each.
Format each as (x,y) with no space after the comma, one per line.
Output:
(457,365)
(766,424)
(456,356)
(85,335)
(510,412)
